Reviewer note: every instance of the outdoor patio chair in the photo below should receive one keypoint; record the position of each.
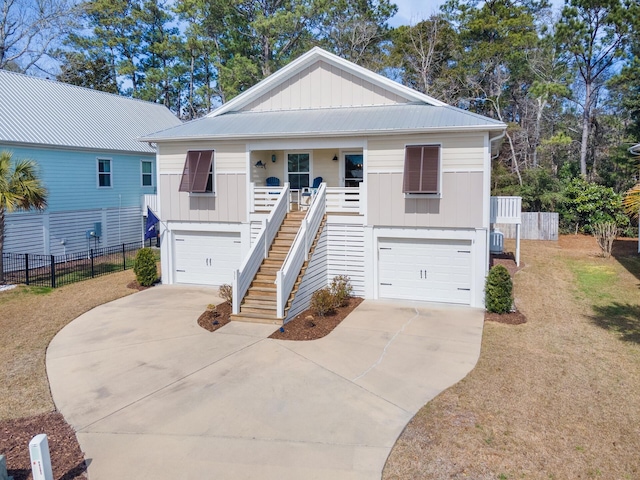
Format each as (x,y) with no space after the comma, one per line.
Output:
(273,182)
(308,192)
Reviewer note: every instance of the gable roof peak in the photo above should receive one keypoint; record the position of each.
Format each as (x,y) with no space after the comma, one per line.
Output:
(311,57)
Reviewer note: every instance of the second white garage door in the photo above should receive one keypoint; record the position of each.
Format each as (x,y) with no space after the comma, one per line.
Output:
(204,258)
(428,270)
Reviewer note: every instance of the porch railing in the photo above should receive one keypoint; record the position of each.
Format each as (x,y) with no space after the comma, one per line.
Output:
(263,199)
(299,252)
(151,201)
(243,277)
(345,200)
(506,209)
(338,199)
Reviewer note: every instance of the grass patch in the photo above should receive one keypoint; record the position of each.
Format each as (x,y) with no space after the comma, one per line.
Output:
(29,319)
(594,281)
(556,397)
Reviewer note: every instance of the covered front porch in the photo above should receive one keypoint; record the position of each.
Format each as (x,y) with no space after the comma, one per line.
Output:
(341,170)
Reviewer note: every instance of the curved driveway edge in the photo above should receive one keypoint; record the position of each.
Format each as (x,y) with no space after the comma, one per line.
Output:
(151,395)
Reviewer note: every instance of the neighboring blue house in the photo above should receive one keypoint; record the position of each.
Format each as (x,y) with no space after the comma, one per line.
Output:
(98,175)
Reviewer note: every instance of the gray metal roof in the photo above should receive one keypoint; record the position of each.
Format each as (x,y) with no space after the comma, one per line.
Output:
(43,112)
(330,122)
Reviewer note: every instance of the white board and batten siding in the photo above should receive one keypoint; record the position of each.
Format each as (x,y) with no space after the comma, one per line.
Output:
(340,251)
(314,278)
(206,258)
(345,254)
(322,85)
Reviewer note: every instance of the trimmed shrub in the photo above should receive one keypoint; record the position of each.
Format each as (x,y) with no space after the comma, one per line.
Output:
(341,289)
(226,293)
(499,290)
(322,302)
(145,267)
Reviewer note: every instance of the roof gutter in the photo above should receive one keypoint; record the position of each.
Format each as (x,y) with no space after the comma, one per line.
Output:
(343,133)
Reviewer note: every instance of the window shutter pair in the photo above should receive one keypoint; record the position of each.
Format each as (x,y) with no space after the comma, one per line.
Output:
(421,163)
(196,171)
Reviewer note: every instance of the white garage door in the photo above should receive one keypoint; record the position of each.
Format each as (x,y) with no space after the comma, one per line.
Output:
(429,270)
(206,258)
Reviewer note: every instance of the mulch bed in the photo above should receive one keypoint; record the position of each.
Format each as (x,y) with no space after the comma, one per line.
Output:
(308,326)
(507,260)
(212,320)
(67,459)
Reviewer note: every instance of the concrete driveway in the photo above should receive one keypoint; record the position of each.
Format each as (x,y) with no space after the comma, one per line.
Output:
(151,395)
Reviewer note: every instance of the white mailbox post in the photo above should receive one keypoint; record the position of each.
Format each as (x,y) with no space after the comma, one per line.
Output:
(40,459)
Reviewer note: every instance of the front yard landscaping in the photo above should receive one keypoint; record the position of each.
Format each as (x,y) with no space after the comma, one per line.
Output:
(554,398)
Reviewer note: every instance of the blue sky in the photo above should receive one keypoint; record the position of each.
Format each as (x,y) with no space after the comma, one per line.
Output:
(412,11)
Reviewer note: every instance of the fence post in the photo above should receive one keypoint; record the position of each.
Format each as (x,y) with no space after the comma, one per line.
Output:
(124,259)
(91,256)
(26,268)
(53,271)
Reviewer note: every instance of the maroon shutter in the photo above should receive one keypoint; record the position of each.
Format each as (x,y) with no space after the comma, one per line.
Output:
(421,169)
(412,169)
(430,175)
(196,171)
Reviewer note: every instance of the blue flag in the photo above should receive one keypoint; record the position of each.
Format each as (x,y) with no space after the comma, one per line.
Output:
(150,229)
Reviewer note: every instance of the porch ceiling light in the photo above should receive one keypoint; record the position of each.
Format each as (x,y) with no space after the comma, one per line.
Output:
(260,164)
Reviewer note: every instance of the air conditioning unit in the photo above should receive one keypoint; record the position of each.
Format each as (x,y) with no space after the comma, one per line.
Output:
(496,242)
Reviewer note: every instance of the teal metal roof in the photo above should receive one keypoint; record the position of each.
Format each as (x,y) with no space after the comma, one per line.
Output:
(43,112)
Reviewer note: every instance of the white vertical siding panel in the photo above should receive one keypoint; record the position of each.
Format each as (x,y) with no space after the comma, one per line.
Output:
(320,86)
(228,205)
(461,204)
(315,278)
(345,254)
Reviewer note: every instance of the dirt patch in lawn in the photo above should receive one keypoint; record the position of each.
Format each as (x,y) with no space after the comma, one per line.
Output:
(67,460)
(309,326)
(555,397)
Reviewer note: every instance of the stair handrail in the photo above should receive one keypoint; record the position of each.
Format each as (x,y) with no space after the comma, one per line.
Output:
(299,251)
(243,277)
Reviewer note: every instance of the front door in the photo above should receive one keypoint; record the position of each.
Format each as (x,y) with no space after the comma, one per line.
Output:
(353,169)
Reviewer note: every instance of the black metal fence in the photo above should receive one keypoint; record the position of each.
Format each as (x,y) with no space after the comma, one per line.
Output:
(58,270)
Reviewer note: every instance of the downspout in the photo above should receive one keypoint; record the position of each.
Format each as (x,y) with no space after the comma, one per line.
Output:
(500,137)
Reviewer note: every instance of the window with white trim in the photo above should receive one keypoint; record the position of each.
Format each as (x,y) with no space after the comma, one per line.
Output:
(298,170)
(146,172)
(197,176)
(104,173)
(421,169)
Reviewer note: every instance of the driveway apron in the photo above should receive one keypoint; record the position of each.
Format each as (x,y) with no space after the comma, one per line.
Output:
(152,395)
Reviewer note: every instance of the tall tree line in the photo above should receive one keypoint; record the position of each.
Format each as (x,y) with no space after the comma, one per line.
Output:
(567,82)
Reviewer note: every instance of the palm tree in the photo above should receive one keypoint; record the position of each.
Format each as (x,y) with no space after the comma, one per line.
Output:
(20,189)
